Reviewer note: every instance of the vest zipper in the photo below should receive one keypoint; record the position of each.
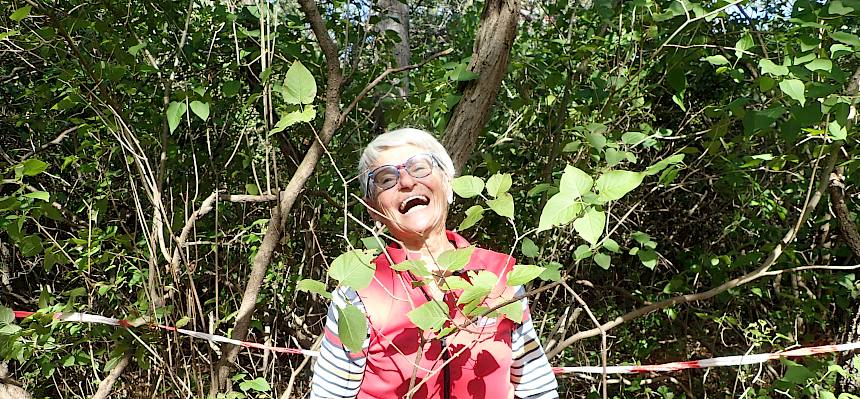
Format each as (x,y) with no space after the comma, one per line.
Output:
(446,372)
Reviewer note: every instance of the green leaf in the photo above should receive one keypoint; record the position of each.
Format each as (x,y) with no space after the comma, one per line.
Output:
(429,316)
(663,163)
(252,189)
(7,316)
(513,311)
(314,287)
(306,115)
(455,283)
(30,245)
(847,38)
(467,186)
(299,85)
(258,384)
(826,395)
(455,259)
(133,50)
(794,88)
(615,184)
(182,322)
(503,205)
(837,131)
(743,44)
(575,181)
(836,7)
(552,272)
(529,249)
(41,195)
(614,157)
(473,215)
(633,138)
(820,64)
(590,225)
(175,111)
(582,252)
(462,74)
(482,284)
(31,167)
(603,260)
(372,243)
(231,87)
(352,328)
(767,66)
(416,266)
(21,13)
(611,245)
(499,184)
(522,274)
(648,257)
(200,109)
(838,49)
(559,211)
(353,269)
(596,140)
(716,60)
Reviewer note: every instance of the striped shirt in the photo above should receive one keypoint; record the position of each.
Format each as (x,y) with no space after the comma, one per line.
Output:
(338,373)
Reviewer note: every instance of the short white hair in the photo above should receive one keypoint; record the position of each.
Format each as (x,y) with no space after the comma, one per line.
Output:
(401,137)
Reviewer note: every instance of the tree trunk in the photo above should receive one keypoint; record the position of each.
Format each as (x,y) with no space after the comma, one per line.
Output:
(493,42)
(333,119)
(395,17)
(852,238)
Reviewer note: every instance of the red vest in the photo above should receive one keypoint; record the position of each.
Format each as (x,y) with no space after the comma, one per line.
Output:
(481,353)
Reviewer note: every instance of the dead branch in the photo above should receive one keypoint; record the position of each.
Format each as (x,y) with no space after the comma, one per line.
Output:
(107,384)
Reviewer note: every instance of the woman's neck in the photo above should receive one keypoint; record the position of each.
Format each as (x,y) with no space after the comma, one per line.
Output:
(431,246)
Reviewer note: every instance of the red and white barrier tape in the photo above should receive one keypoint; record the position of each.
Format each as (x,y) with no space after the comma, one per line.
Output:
(674,366)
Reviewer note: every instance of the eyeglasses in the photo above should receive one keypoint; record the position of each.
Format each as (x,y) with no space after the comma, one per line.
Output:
(387,176)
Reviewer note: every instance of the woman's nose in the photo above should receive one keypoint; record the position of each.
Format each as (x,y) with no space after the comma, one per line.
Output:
(406,180)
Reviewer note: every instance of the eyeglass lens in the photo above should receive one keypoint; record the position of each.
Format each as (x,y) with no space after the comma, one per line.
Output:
(387,176)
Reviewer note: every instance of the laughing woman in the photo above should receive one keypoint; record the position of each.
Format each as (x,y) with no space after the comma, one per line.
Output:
(406,178)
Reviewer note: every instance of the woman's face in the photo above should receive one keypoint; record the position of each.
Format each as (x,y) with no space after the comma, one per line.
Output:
(414,208)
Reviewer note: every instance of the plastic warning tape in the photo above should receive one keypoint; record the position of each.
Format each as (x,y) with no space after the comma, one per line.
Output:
(96,319)
(665,367)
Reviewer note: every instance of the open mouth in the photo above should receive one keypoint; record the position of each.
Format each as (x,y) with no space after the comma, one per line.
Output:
(414,203)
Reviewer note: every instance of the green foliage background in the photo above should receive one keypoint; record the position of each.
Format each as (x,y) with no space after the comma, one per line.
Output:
(712,124)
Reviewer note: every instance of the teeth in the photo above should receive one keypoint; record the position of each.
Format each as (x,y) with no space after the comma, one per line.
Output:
(406,201)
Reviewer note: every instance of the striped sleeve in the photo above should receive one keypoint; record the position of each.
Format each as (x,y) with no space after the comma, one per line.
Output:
(531,373)
(337,371)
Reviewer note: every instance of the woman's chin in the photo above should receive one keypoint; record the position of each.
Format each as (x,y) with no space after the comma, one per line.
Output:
(419,225)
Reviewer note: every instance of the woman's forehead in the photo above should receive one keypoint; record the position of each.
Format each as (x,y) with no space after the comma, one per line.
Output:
(397,155)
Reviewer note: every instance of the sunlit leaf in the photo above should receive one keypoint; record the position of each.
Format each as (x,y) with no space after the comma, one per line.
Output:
(352,328)
(175,111)
(353,269)
(503,205)
(200,109)
(794,88)
(559,211)
(299,85)
(430,316)
(522,274)
(590,225)
(473,215)
(613,185)
(467,186)
(499,184)
(575,181)
(529,249)
(455,259)
(313,286)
